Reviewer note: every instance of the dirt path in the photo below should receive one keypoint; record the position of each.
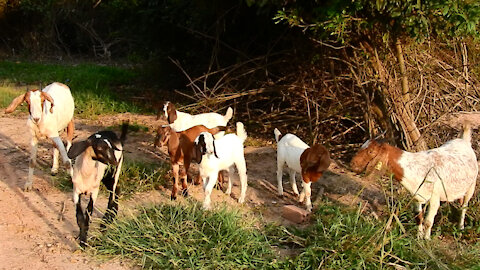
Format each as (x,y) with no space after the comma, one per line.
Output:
(38,228)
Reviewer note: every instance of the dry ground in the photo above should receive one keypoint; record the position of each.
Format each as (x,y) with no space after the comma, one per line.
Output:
(38,228)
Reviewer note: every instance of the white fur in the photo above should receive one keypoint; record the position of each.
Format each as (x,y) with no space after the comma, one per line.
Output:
(88,173)
(185,121)
(289,150)
(49,124)
(230,152)
(446,173)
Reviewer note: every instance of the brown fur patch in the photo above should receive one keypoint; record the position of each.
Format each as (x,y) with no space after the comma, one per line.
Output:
(394,155)
(171,112)
(368,159)
(314,161)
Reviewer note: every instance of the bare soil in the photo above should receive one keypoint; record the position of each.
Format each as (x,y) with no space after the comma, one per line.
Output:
(38,229)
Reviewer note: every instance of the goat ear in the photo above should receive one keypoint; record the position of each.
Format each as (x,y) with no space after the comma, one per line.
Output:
(214,149)
(77,148)
(196,153)
(160,111)
(49,98)
(15,102)
(171,112)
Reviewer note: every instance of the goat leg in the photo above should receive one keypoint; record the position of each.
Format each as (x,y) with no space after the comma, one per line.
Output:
(82,223)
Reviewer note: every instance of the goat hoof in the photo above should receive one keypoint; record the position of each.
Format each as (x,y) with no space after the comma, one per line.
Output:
(185,193)
(173,197)
(27,187)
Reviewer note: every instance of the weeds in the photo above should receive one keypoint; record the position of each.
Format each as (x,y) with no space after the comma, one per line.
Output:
(96,89)
(186,237)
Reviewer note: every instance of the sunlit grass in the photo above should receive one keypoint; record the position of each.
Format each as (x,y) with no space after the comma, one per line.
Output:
(186,237)
(96,89)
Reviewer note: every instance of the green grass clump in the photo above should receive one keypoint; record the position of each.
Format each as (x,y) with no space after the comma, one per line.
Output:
(142,176)
(186,237)
(7,94)
(341,238)
(96,89)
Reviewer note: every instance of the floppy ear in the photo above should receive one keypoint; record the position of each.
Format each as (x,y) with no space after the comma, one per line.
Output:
(171,112)
(78,148)
(15,102)
(196,153)
(159,112)
(214,149)
(49,98)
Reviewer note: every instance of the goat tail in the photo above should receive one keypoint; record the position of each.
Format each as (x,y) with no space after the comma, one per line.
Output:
(467,132)
(123,135)
(229,114)
(241,133)
(278,134)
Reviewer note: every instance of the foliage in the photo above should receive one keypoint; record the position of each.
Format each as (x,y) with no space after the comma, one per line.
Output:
(140,176)
(96,89)
(345,20)
(180,237)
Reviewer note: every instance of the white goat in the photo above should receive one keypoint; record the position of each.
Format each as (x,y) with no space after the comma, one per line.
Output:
(51,111)
(92,157)
(310,162)
(221,154)
(446,173)
(181,121)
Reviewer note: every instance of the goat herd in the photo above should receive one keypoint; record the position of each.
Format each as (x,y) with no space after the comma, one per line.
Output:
(446,173)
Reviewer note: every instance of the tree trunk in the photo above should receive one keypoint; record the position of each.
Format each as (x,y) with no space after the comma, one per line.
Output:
(403,108)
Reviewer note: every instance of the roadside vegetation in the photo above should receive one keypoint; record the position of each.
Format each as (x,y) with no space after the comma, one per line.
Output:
(181,236)
(332,72)
(97,90)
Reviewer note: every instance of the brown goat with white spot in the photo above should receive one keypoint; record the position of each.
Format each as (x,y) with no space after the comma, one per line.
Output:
(180,150)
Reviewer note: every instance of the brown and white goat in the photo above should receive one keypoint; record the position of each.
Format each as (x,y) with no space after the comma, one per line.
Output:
(50,111)
(446,173)
(311,162)
(181,121)
(180,150)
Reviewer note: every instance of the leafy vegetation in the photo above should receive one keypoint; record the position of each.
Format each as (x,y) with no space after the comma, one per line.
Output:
(175,236)
(179,237)
(96,89)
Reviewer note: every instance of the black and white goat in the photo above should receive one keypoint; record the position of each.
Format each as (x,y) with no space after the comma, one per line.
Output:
(51,111)
(92,159)
(214,155)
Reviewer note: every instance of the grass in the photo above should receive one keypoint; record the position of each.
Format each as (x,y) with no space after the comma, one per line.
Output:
(96,89)
(186,237)
(178,237)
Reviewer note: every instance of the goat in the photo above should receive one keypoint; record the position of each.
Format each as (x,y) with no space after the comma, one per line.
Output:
(180,147)
(214,155)
(180,121)
(92,158)
(310,162)
(51,111)
(446,173)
